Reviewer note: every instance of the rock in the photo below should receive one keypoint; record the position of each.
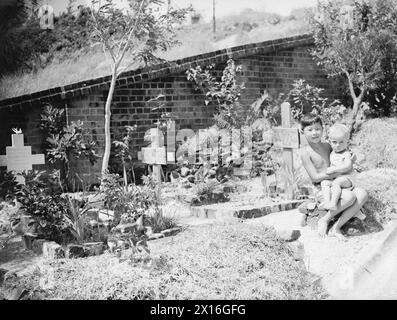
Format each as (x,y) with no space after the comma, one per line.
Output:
(170,232)
(288,234)
(94,248)
(298,250)
(27,240)
(191,179)
(123,244)
(93,223)
(156,236)
(148,231)
(52,250)
(211,172)
(19,294)
(37,246)
(219,196)
(112,245)
(306,207)
(10,276)
(76,251)
(303,220)
(184,171)
(186,185)
(126,227)
(3,273)
(105,215)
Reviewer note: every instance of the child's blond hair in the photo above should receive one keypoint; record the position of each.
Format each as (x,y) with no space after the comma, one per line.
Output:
(339,129)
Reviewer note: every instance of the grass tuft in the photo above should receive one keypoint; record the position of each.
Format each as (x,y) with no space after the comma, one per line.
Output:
(234,261)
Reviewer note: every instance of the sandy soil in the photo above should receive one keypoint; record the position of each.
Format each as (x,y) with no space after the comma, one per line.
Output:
(327,257)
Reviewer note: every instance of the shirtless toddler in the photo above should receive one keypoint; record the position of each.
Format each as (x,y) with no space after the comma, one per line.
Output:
(340,163)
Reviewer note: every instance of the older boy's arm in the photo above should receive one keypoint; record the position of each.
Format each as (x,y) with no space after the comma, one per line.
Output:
(311,170)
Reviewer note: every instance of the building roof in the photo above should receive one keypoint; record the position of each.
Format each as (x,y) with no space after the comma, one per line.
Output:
(83,88)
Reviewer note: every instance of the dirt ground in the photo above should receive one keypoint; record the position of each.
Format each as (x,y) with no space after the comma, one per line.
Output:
(325,256)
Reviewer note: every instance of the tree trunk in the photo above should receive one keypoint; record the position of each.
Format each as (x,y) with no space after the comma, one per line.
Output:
(356,108)
(106,155)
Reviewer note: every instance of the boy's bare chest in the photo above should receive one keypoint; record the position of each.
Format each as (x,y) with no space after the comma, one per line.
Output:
(320,158)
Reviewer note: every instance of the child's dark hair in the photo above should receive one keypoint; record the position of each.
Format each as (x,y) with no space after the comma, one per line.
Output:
(310,119)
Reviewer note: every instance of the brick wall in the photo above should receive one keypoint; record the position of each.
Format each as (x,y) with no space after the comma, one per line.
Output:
(273,70)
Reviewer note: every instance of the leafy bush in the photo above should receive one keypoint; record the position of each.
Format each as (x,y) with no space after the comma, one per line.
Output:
(123,152)
(8,184)
(65,142)
(54,216)
(46,211)
(224,94)
(128,203)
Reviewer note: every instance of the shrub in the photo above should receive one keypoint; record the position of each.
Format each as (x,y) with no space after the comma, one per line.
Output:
(65,142)
(128,203)
(46,211)
(8,184)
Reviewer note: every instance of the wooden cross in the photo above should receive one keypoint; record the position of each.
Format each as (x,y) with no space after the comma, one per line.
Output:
(154,155)
(19,157)
(287,138)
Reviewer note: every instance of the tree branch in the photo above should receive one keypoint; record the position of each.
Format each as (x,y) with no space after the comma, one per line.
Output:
(351,87)
(130,33)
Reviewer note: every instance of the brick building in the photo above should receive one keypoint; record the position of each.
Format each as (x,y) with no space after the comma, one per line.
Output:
(271,65)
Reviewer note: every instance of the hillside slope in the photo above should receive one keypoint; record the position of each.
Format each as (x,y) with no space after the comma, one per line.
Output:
(247,27)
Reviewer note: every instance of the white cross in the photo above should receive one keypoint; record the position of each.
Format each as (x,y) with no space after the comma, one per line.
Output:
(19,157)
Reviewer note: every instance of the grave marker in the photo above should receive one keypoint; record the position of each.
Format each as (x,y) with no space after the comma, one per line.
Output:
(19,157)
(154,155)
(287,138)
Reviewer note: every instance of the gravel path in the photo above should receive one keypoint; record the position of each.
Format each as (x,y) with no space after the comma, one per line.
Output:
(326,256)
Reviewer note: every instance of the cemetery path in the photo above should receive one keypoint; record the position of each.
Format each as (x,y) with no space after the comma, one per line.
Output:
(330,258)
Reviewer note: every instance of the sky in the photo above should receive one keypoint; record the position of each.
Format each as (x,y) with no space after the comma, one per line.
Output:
(222,7)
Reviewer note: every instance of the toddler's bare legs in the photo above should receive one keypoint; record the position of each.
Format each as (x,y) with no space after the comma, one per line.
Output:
(346,200)
(336,189)
(326,192)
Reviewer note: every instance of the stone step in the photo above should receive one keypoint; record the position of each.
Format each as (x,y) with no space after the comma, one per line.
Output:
(226,211)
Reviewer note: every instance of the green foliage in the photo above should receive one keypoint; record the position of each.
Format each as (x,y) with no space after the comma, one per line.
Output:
(128,203)
(224,94)
(65,142)
(305,98)
(47,211)
(8,184)
(123,153)
(29,47)
(361,49)
(143,32)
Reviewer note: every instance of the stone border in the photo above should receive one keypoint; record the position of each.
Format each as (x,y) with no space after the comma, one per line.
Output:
(165,233)
(244,212)
(362,270)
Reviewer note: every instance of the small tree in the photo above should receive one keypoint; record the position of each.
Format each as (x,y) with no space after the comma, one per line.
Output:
(123,152)
(355,42)
(138,33)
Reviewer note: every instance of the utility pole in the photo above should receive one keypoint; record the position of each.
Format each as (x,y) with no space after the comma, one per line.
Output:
(213,17)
